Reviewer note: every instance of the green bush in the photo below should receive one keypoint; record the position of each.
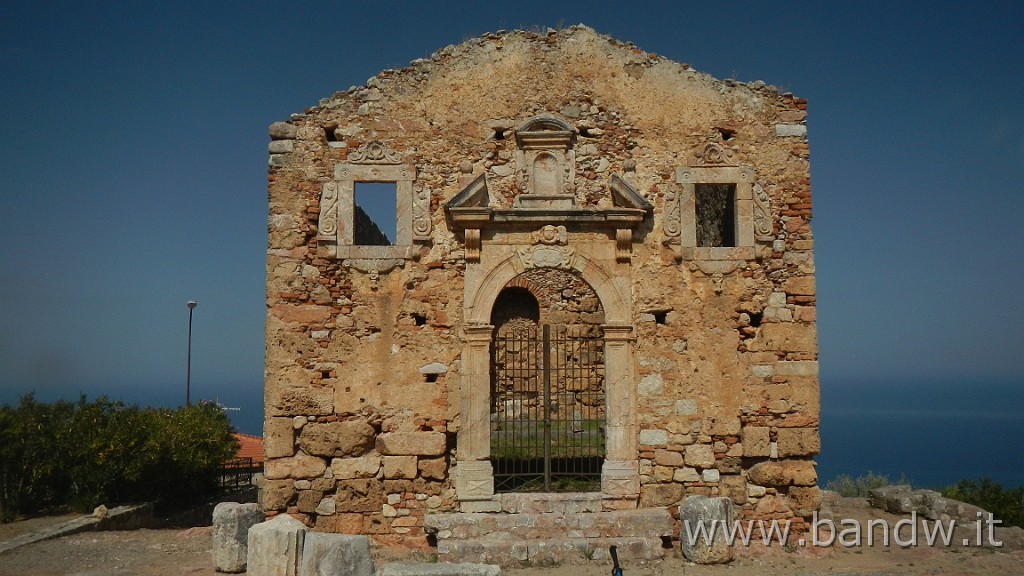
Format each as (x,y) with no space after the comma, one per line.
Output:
(1006,504)
(844,485)
(81,454)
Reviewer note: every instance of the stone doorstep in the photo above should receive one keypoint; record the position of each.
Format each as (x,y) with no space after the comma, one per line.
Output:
(424,569)
(644,523)
(550,551)
(563,502)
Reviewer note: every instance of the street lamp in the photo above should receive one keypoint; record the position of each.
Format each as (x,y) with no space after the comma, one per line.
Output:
(188,363)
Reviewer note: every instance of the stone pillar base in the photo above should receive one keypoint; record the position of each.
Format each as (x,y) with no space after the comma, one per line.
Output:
(620,479)
(474,480)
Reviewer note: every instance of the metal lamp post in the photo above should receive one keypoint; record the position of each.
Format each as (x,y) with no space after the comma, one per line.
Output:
(188,363)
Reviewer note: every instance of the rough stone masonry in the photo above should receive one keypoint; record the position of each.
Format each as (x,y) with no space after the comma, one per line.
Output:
(558,177)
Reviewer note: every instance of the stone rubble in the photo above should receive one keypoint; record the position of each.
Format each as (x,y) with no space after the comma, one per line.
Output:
(231,524)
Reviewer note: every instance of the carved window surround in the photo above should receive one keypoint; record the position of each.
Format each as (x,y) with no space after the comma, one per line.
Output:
(714,165)
(372,162)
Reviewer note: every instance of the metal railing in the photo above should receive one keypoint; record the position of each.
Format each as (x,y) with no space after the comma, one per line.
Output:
(238,472)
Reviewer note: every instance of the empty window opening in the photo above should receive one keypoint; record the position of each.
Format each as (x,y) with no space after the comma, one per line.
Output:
(375,214)
(419,319)
(755,318)
(716,214)
(329,133)
(430,377)
(499,133)
(660,317)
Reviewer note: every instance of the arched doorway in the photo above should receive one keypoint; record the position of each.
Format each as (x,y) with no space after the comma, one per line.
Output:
(548,404)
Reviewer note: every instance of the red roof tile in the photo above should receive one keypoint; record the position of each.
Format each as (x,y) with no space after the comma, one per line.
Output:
(249,447)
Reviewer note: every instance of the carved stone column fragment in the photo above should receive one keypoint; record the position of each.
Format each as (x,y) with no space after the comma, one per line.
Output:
(475,477)
(620,474)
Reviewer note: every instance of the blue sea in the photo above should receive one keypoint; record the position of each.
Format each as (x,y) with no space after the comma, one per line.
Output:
(932,434)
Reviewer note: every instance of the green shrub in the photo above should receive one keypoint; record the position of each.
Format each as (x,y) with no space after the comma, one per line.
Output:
(80,454)
(1006,504)
(844,485)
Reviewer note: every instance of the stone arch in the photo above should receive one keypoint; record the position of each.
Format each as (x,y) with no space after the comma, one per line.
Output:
(612,293)
(544,122)
(515,308)
(579,306)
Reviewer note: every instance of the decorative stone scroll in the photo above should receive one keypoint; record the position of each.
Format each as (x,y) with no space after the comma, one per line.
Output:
(670,223)
(542,256)
(551,235)
(421,225)
(717,270)
(373,267)
(550,249)
(714,154)
(762,215)
(472,244)
(623,244)
(327,227)
(374,152)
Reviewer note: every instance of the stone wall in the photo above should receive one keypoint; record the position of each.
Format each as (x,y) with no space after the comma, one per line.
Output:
(372,366)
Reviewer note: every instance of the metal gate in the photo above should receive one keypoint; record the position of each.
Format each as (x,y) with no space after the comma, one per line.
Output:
(548,408)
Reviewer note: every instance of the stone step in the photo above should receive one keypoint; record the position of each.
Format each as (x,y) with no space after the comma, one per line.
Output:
(552,551)
(643,523)
(559,502)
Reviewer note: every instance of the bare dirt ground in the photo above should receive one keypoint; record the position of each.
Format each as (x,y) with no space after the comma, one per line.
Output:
(174,552)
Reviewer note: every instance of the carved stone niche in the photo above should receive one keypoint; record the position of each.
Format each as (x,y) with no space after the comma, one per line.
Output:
(545,163)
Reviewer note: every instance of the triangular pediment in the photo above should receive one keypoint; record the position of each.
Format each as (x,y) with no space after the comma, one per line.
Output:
(625,196)
(474,195)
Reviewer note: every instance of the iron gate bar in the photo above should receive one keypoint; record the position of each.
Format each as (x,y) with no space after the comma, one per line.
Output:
(547,408)
(546,368)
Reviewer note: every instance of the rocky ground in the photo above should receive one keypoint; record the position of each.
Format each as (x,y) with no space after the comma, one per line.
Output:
(174,552)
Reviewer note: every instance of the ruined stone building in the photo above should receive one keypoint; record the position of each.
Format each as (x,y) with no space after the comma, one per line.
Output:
(592,292)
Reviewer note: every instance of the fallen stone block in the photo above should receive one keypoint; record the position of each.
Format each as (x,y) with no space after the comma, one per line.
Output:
(326,554)
(231,523)
(275,547)
(701,516)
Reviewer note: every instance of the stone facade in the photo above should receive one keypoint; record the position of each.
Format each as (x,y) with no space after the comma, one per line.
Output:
(620,190)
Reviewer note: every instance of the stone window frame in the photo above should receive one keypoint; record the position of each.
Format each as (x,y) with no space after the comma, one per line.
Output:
(338,204)
(687,178)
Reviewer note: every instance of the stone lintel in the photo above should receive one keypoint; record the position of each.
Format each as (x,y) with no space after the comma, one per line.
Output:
(612,218)
(544,202)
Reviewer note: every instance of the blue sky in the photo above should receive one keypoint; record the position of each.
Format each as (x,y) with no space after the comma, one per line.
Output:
(133,174)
